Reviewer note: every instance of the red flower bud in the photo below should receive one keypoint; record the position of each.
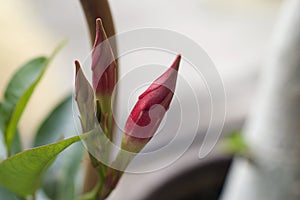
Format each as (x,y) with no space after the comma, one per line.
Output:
(103,63)
(143,122)
(150,109)
(104,74)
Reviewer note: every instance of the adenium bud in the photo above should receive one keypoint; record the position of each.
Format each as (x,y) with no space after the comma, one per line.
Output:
(84,96)
(104,74)
(150,109)
(103,63)
(143,122)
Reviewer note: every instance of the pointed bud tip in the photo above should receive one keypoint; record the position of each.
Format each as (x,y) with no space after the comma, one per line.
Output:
(99,23)
(175,64)
(100,33)
(77,66)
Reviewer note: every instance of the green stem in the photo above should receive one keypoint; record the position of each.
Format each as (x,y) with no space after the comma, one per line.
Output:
(113,176)
(34,196)
(92,195)
(94,9)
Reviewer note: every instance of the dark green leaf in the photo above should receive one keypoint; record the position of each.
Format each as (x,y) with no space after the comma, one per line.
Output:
(19,91)
(3,153)
(1,121)
(59,123)
(7,195)
(59,181)
(16,143)
(23,172)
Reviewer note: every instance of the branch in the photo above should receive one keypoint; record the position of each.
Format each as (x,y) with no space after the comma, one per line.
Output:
(98,8)
(94,9)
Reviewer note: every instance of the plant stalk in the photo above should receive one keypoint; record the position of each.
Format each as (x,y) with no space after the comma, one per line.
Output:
(94,9)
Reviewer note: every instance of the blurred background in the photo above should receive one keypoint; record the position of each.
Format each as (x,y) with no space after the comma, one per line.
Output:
(234,33)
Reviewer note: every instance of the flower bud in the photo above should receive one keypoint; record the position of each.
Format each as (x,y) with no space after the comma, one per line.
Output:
(150,109)
(103,63)
(104,73)
(84,96)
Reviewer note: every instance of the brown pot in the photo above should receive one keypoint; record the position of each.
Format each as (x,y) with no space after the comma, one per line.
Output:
(201,182)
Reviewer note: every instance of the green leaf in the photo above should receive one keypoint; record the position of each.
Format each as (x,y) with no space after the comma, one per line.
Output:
(3,153)
(7,195)
(60,121)
(16,143)
(59,181)
(1,121)
(235,144)
(19,91)
(23,172)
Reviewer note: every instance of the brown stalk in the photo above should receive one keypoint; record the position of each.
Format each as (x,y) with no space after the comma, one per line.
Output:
(94,9)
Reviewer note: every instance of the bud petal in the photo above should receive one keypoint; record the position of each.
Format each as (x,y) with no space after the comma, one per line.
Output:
(150,109)
(103,63)
(104,73)
(84,96)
